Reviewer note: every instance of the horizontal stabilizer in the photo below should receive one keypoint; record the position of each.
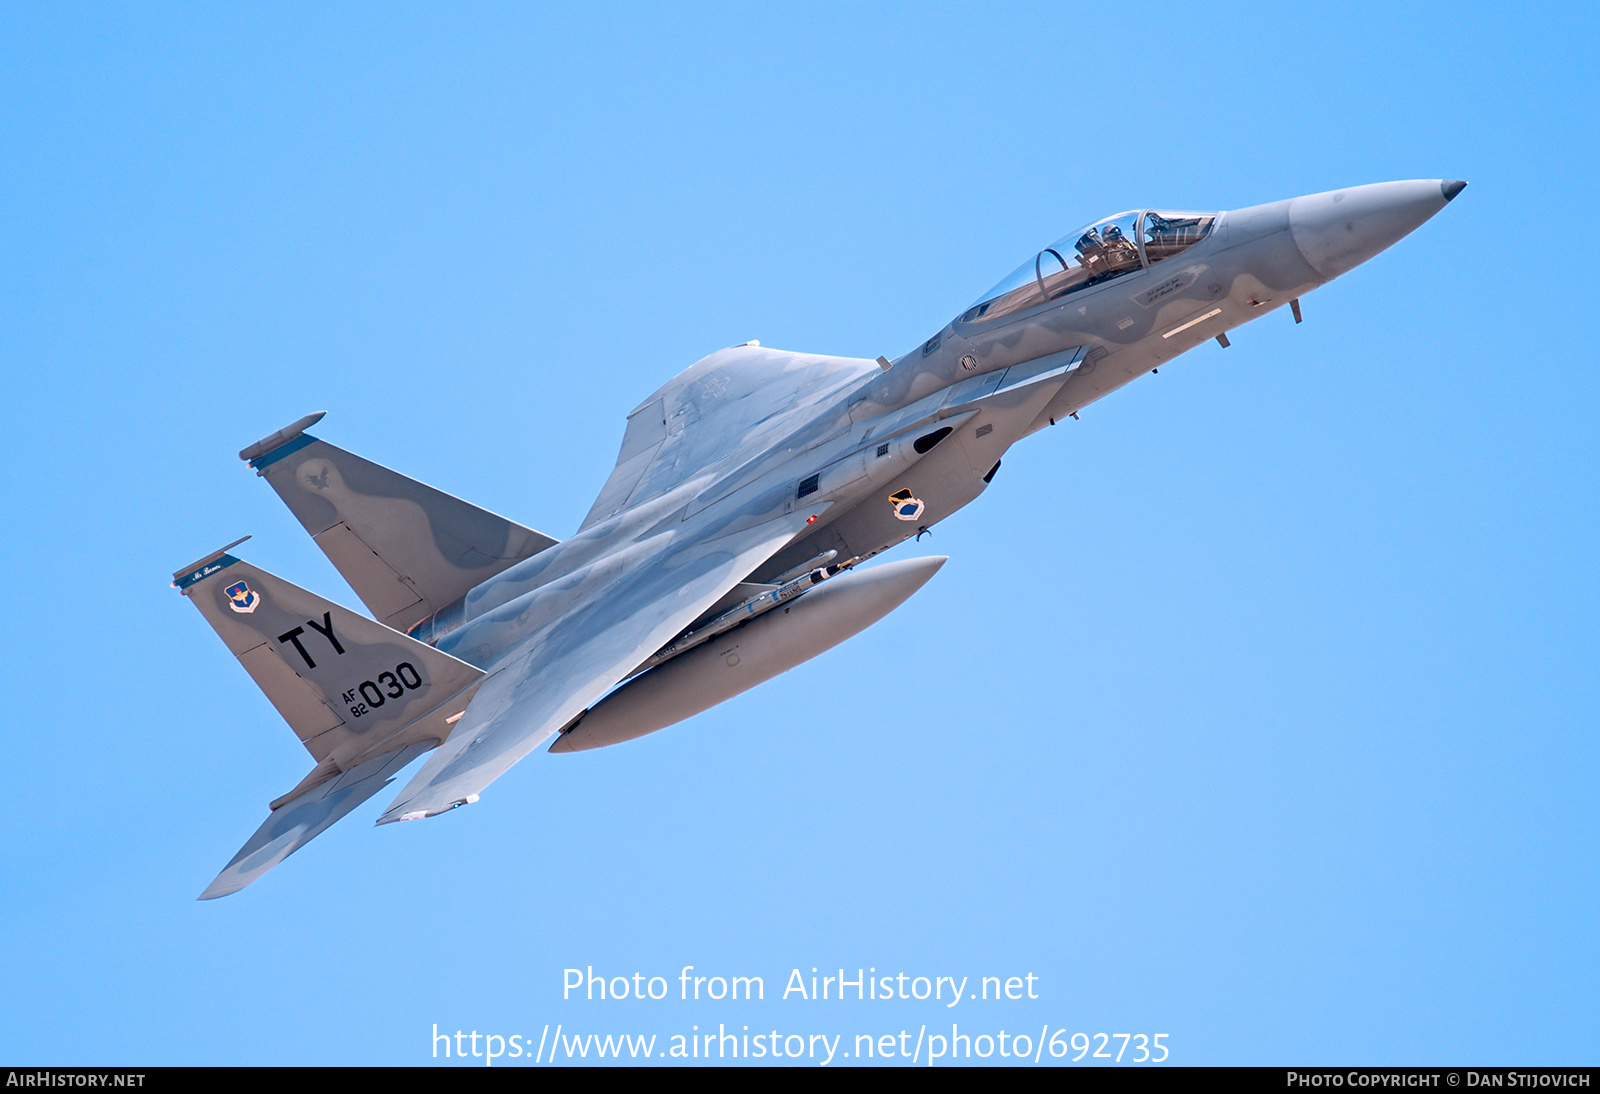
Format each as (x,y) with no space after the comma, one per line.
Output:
(350,688)
(297,823)
(407,549)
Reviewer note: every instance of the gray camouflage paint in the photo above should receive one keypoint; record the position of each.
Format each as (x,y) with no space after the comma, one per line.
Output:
(712,488)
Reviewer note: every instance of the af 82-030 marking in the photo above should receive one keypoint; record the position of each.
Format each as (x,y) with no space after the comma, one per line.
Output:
(396,686)
(393,683)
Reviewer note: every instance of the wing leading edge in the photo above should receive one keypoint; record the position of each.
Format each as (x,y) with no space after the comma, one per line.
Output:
(575,659)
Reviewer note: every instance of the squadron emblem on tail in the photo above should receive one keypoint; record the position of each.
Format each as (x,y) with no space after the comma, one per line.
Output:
(242,598)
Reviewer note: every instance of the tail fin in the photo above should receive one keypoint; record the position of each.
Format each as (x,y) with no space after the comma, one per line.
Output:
(407,549)
(363,698)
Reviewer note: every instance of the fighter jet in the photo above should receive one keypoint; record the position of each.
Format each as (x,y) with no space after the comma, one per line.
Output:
(727,545)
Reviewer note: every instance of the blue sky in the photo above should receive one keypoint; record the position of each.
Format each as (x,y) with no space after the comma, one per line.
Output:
(1256,708)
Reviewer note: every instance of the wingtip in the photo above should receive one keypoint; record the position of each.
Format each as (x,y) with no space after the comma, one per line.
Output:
(393,815)
(392,818)
(218,889)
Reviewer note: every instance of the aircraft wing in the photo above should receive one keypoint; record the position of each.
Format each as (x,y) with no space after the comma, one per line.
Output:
(580,654)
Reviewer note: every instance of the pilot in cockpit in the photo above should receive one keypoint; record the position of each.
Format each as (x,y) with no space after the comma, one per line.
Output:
(1090,244)
(1120,250)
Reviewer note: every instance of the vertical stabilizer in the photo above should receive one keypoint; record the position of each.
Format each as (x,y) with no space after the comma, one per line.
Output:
(363,698)
(407,549)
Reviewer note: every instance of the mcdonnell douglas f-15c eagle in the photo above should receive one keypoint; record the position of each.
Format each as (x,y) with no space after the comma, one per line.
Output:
(723,548)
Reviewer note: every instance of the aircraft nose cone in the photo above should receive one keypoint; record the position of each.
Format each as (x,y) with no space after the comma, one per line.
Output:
(1339,230)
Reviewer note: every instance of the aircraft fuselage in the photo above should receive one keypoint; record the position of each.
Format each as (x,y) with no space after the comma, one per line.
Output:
(1126,296)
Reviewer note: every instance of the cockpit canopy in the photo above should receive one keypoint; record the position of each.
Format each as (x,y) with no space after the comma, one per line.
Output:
(1104,250)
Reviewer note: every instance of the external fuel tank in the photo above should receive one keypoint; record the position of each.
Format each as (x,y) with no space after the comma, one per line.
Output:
(748,655)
